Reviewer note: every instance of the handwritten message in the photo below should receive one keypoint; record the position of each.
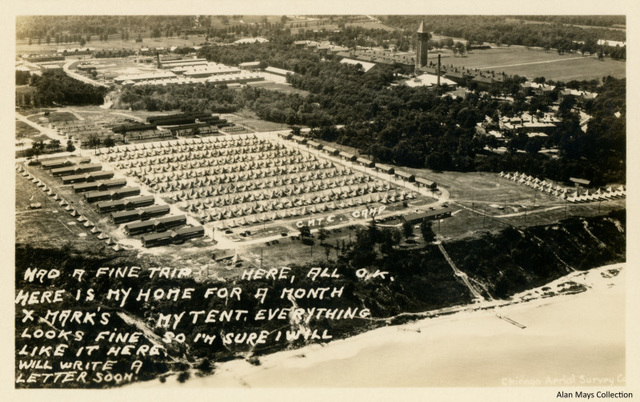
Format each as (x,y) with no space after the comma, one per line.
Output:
(106,326)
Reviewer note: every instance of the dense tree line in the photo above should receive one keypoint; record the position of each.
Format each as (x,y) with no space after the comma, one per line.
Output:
(589,20)
(411,126)
(39,26)
(563,33)
(56,87)
(279,54)
(104,54)
(511,31)
(23,77)
(188,98)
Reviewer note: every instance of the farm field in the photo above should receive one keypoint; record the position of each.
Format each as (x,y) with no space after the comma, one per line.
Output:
(533,63)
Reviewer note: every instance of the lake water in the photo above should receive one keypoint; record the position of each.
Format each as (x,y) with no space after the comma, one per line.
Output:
(573,340)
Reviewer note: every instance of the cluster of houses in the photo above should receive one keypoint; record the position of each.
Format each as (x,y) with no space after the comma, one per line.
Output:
(526,123)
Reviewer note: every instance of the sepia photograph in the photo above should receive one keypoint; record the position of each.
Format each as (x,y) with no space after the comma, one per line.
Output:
(284,200)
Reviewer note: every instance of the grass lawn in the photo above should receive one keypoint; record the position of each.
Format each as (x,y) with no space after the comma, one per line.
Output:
(284,88)
(371,25)
(533,63)
(50,226)
(61,116)
(23,130)
(248,119)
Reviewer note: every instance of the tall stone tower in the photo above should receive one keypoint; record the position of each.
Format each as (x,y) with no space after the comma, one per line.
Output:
(421,46)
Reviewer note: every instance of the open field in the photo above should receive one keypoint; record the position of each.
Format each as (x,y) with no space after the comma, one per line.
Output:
(371,25)
(284,88)
(533,63)
(489,203)
(248,119)
(50,226)
(24,130)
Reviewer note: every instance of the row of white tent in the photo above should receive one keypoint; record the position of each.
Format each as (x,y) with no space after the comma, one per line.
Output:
(64,203)
(210,150)
(287,208)
(232,171)
(235,141)
(195,162)
(247,181)
(534,182)
(566,193)
(332,189)
(294,173)
(598,195)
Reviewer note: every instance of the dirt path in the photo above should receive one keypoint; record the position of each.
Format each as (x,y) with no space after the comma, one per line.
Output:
(78,76)
(460,274)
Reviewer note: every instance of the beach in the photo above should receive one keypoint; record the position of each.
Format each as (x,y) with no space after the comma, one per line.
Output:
(568,340)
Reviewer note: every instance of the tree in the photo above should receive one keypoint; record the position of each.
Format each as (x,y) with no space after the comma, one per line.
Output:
(322,234)
(533,145)
(94,141)
(36,148)
(305,231)
(427,231)
(22,77)
(109,142)
(327,252)
(461,48)
(407,229)
(54,144)
(70,146)
(82,42)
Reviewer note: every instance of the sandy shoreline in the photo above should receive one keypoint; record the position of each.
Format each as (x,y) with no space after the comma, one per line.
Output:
(573,340)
